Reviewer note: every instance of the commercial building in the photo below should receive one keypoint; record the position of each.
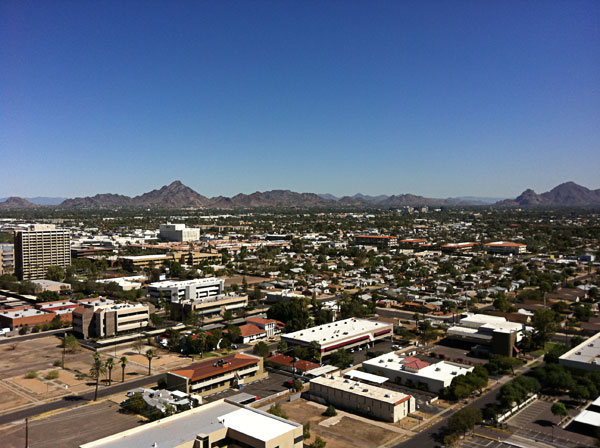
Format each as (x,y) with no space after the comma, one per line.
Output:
(7,258)
(215,375)
(50,285)
(27,315)
(410,370)
(197,289)
(379,241)
(38,248)
(102,317)
(505,248)
(492,333)
(586,356)
(220,423)
(208,307)
(458,247)
(362,398)
(347,333)
(194,257)
(284,295)
(257,328)
(137,262)
(178,233)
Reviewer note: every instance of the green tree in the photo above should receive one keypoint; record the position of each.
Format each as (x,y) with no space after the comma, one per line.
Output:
(277,411)
(464,420)
(96,371)
(56,273)
(341,358)
(544,323)
(149,355)
(318,443)
(306,431)
(228,316)
(261,349)
(123,362)
(110,364)
(560,409)
(70,343)
(282,346)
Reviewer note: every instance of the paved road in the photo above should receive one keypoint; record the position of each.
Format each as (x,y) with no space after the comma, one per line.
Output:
(73,400)
(41,334)
(426,437)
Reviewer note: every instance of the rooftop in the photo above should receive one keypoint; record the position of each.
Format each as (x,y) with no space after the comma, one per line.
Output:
(588,418)
(365,390)
(441,371)
(335,331)
(184,283)
(504,244)
(588,352)
(211,367)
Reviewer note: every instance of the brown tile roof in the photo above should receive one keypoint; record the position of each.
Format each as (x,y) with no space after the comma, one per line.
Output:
(211,367)
(250,330)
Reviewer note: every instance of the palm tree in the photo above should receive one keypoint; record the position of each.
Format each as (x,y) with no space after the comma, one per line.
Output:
(98,369)
(123,361)
(149,355)
(110,363)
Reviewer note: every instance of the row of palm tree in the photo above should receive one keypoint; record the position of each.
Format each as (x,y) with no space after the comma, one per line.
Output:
(100,368)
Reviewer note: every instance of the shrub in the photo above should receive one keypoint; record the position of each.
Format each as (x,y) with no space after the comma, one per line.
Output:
(330,411)
(57,363)
(277,411)
(52,375)
(31,375)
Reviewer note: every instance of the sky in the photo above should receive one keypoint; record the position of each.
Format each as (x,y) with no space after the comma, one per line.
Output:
(437,98)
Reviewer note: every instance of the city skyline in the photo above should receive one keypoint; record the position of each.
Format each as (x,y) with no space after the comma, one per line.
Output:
(429,98)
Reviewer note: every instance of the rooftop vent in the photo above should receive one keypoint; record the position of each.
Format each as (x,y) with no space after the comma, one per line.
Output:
(387,396)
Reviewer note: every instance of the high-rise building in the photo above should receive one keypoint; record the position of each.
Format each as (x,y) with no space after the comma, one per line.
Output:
(7,258)
(178,232)
(39,247)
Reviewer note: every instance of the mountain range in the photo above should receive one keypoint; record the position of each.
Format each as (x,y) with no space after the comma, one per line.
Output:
(178,195)
(568,194)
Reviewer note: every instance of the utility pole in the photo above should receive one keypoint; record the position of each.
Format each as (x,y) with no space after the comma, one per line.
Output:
(27,433)
(64,349)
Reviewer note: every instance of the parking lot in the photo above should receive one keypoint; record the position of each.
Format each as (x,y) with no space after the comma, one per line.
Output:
(536,421)
(273,384)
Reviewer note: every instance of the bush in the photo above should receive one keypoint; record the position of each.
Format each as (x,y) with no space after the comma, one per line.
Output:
(318,443)
(298,386)
(330,411)
(24,329)
(277,411)
(306,431)
(162,383)
(31,375)
(52,375)
(57,363)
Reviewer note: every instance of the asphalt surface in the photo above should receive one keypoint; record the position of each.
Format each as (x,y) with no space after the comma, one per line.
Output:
(41,334)
(73,400)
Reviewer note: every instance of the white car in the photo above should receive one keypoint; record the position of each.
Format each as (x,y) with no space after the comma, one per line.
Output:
(4,331)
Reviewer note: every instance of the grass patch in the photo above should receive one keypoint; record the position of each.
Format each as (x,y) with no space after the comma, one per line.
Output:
(31,375)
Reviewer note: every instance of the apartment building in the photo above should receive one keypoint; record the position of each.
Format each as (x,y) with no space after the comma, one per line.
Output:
(215,375)
(7,258)
(361,398)
(38,248)
(101,317)
(178,233)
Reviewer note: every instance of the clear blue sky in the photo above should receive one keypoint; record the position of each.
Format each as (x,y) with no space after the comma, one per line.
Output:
(439,98)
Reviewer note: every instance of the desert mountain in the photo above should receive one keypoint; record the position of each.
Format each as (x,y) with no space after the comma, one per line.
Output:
(14,202)
(568,194)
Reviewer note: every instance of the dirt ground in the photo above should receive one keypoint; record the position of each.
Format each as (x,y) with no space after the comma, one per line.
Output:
(347,432)
(9,399)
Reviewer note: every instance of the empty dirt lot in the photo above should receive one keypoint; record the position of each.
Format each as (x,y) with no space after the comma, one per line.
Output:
(347,432)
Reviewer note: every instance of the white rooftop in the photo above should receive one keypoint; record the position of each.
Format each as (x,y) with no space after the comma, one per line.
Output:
(335,331)
(365,390)
(12,314)
(588,418)
(364,376)
(442,371)
(184,283)
(255,424)
(588,352)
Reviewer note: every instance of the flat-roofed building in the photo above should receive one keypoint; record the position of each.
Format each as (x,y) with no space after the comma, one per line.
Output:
(38,248)
(499,335)
(458,247)
(380,241)
(178,232)
(136,262)
(505,248)
(27,315)
(361,398)
(102,317)
(196,289)
(43,285)
(208,307)
(214,375)
(586,356)
(220,423)
(346,334)
(403,370)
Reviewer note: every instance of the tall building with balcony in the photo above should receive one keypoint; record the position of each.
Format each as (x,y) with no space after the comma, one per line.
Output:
(7,258)
(38,248)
